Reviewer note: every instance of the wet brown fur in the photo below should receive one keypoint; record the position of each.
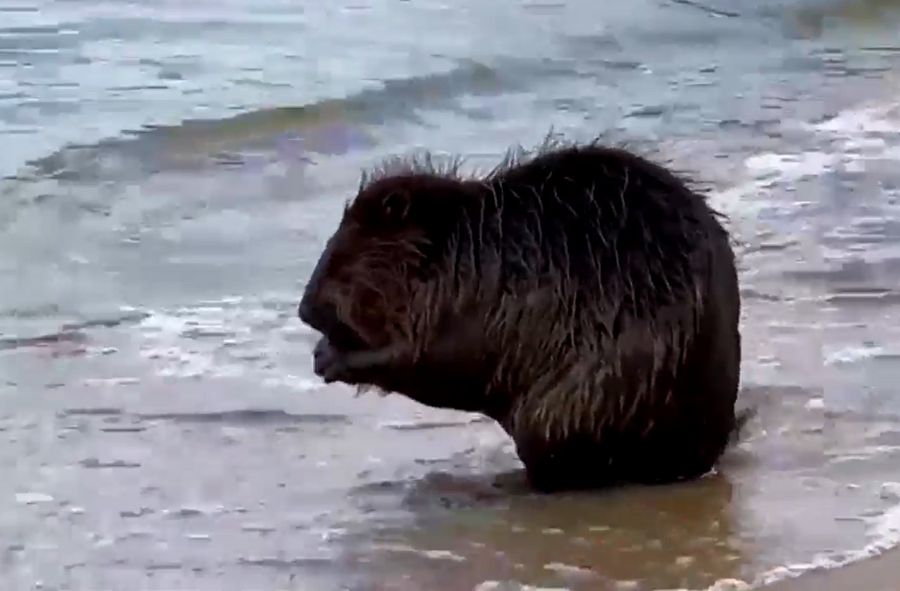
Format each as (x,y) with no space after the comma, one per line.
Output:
(582,296)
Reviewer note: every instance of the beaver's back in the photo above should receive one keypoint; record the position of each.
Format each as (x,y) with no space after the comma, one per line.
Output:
(623,228)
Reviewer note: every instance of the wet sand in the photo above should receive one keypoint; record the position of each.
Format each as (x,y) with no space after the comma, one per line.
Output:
(875,574)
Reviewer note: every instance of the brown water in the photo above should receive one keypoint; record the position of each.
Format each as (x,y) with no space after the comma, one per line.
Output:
(160,427)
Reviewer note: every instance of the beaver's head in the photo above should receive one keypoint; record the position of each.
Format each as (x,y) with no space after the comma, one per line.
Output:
(366,291)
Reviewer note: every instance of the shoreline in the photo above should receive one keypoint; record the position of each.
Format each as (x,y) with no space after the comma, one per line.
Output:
(878,573)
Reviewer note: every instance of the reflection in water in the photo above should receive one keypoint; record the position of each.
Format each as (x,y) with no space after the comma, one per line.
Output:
(657,536)
(771,503)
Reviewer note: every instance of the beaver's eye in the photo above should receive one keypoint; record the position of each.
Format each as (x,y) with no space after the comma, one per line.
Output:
(395,205)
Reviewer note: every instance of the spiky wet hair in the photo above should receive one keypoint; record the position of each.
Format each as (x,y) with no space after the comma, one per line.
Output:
(425,162)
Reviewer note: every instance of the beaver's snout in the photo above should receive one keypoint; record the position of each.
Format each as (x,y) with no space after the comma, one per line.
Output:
(307,314)
(322,316)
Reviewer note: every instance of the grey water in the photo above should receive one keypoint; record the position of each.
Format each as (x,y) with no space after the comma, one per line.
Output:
(171,170)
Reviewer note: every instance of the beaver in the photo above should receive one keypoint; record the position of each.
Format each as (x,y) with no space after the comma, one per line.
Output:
(581,295)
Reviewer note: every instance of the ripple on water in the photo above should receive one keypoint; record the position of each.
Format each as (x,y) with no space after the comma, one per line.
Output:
(234,338)
(247,417)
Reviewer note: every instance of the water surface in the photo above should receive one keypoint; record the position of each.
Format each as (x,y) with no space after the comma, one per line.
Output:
(172,171)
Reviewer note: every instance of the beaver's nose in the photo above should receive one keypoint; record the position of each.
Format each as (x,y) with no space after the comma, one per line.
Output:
(305,311)
(320,316)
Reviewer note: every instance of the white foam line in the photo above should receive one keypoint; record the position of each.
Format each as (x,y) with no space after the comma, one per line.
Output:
(498,586)
(767,169)
(853,354)
(293,382)
(886,534)
(222,338)
(791,166)
(873,118)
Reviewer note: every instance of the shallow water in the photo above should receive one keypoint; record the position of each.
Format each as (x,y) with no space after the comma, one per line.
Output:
(173,169)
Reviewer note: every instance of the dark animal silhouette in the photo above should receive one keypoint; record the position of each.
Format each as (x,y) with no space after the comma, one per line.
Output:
(583,297)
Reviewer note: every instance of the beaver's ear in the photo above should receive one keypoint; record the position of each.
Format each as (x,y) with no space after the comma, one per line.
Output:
(396,205)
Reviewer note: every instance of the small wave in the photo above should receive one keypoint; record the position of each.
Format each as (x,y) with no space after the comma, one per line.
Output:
(708,8)
(884,532)
(95,464)
(415,425)
(854,354)
(68,336)
(91,412)
(873,296)
(69,333)
(765,174)
(867,132)
(333,126)
(129,317)
(869,119)
(246,417)
(790,166)
(860,139)
(287,564)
